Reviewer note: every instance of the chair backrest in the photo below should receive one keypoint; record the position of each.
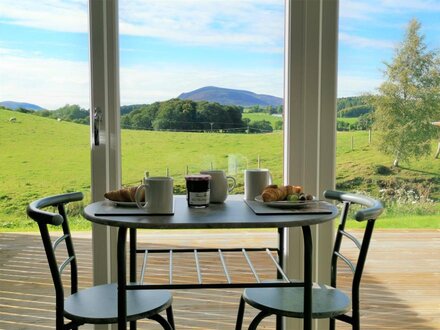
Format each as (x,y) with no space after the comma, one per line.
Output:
(45,218)
(370,211)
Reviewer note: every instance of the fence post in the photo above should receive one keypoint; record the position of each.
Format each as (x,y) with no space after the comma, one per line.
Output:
(352,143)
(369,136)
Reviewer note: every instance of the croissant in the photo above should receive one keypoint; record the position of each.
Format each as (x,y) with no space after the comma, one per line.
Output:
(123,195)
(273,193)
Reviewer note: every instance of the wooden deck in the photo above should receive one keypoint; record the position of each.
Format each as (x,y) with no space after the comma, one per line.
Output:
(400,288)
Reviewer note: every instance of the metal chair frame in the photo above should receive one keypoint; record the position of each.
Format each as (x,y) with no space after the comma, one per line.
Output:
(43,219)
(370,213)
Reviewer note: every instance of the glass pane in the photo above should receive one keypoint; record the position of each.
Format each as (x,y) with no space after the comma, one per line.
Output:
(201,88)
(44,102)
(386,141)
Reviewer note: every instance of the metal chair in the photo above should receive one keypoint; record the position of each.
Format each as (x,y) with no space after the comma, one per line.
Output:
(98,304)
(327,301)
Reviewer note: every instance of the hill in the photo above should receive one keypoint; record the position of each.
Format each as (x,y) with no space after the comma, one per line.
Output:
(16,105)
(228,96)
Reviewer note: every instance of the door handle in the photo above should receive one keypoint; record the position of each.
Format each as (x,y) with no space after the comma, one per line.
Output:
(97,118)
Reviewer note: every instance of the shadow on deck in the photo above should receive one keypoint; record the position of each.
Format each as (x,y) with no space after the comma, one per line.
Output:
(400,288)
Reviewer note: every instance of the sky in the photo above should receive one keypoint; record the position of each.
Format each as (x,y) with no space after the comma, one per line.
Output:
(169,47)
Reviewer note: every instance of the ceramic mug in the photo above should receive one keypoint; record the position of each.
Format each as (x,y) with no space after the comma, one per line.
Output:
(255,180)
(221,185)
(158,195)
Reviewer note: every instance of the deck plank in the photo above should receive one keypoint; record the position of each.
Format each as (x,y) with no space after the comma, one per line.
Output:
(400,288)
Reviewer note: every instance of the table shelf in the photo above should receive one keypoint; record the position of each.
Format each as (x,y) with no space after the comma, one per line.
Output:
(203,270)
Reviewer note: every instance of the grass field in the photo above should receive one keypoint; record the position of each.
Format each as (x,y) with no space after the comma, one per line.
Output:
(348,120)
(262,116)
(41,156)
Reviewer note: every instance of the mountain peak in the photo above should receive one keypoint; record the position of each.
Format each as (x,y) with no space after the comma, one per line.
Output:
(13,105)
(227,96)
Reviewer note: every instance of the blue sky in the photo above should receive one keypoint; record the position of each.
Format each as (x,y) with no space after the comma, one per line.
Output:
(173,46)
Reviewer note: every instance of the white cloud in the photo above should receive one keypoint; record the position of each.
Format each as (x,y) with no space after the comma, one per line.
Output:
(216,22)
(357,84)
(355,9)
(246,23)
(56,15)
(52,83)
(9,51)
(357,41)
(412,5)
(370,9)
(49,83)
(158,82)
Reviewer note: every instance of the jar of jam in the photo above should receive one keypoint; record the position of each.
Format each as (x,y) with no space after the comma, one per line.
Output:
(197,190)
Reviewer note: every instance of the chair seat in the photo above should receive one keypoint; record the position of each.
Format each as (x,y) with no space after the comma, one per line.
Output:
(99,304)
(288,301)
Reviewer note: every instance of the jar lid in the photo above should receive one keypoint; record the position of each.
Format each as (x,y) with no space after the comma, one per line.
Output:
(198,177)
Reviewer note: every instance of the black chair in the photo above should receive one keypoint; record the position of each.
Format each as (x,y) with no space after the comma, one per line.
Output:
(98,304)
(327,301)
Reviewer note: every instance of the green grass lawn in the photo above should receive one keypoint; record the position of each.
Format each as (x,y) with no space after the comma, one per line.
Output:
(405,222)
(41,157)
(347,120)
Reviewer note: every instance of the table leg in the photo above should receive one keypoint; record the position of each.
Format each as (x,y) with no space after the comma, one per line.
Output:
(122,294)
(133,246)
(281,240)
(308,248)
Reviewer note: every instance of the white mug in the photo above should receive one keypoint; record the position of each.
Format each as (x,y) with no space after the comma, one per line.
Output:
(221,185)
(255,180)
(158,195)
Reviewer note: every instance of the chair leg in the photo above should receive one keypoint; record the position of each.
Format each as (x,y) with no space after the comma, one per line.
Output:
(355,319)
(240,314)
(164,323)
(279,322)
(71,326)
(256,321)
(170,317)
(356,324)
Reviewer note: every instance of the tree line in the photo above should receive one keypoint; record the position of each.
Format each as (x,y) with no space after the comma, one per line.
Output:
(188,115)
(171,115)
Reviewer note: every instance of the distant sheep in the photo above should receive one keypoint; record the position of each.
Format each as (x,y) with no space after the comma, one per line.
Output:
(59,119)
(12,120)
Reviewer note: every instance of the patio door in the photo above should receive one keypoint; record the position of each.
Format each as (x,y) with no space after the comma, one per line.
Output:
(309,121)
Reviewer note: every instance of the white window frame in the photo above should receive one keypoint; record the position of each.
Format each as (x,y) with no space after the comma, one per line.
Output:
(105,157)
(310,121)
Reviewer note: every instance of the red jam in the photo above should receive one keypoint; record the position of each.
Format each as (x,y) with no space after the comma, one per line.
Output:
(197,190)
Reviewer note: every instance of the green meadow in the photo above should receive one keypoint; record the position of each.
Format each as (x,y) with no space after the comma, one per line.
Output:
(348,120)
(41,156)
(262,116)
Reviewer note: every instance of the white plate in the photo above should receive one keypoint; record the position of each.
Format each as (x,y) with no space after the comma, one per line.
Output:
(125,204)
(287,204)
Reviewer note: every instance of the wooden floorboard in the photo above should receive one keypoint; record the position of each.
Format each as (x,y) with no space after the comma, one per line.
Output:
(400,288)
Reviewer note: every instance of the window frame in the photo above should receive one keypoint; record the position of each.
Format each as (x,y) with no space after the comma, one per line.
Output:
(310,120)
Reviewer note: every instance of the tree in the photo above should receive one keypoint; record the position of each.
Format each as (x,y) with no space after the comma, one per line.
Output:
(342,126)
(409,99)
(365,121)
(260,126)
